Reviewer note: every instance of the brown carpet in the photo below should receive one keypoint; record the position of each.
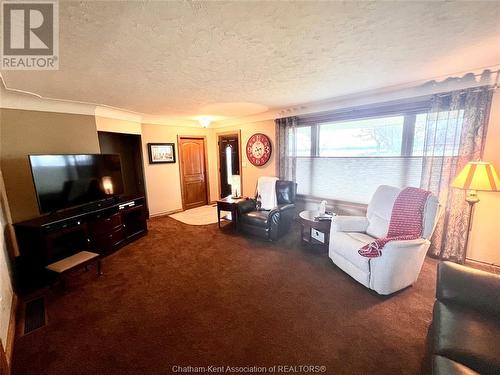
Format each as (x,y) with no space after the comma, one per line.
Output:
(197,296)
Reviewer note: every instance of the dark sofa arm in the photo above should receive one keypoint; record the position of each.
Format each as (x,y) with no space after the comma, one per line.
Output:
(246,206)
(468,287)
(281,219)
(282,209)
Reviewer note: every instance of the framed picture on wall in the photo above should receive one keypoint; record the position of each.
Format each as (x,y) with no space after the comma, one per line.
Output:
(161,153)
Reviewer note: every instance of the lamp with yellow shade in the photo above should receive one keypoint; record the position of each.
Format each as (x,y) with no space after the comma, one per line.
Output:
(474,177)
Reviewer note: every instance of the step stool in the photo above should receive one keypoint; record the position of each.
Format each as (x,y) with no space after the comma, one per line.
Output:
(73,262)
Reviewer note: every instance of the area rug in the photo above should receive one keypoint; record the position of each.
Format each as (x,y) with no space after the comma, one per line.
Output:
(203,215)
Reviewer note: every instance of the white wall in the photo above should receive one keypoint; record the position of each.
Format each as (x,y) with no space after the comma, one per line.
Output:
(107,124)
(249,172)
(163,183)
(163,180)
(484,242)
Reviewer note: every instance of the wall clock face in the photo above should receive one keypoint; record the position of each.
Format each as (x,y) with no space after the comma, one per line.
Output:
(259,149)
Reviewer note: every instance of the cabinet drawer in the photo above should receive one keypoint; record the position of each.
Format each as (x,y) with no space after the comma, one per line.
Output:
(106,242)
(105,224)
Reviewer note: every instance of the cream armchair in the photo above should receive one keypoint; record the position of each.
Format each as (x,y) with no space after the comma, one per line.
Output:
(400,262)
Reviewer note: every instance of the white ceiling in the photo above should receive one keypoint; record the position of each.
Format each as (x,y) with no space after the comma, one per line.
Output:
(187,59)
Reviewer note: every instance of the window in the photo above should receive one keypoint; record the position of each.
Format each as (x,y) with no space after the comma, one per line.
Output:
(368,137)
(348,158)
(229,164)
(447,129)
(302,140)
(419,137)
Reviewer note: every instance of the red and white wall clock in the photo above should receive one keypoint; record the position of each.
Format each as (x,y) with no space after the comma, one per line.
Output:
(259,149)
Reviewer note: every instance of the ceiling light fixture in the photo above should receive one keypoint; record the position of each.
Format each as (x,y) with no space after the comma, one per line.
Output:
(204,121)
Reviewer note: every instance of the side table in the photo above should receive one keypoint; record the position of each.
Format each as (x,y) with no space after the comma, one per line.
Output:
(314,231)
(228,204)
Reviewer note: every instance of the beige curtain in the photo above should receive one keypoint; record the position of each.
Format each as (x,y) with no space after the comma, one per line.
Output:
(287,146)
(455,134)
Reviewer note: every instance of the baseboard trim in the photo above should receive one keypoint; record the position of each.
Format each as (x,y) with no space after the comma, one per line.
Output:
(11,333)
(490,267)
(166,213)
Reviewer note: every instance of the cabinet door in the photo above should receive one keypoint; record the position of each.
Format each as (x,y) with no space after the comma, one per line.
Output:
(66,242)
(134,221)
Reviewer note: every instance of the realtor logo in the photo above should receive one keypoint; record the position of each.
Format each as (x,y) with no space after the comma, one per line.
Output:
(30,38)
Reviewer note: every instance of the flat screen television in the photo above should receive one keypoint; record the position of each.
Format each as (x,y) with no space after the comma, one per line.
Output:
(64,181)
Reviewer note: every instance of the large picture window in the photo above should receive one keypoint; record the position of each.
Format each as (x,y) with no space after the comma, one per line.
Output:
(346,159)
(366,137)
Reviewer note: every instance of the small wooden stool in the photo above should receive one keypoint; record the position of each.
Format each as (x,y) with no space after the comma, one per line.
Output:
(78,260)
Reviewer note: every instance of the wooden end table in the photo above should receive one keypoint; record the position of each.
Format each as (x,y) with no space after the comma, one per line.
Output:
(308,224)
(228,204)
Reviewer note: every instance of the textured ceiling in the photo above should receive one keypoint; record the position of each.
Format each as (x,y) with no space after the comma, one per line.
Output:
(184,59)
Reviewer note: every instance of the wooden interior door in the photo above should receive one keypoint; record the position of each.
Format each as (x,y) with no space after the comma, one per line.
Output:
(193,172)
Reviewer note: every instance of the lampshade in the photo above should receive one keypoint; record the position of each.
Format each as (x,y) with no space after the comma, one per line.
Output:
(477,176)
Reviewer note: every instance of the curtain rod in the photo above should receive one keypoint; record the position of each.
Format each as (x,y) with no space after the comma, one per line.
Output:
(491,78)
(493,87)
(406,91)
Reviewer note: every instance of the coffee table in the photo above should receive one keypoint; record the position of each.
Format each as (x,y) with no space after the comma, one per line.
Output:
(314,231)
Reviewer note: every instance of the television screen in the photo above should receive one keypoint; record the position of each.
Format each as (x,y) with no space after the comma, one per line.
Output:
(63,181)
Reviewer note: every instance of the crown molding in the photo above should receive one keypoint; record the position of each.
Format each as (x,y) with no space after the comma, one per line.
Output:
(385,94)
(13,99)
(117,114)
(18,99)
(170,121)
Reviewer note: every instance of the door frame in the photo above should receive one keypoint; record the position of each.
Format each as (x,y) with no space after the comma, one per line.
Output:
(207,181)
(217,138)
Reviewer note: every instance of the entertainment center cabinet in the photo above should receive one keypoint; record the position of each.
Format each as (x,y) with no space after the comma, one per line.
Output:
(102,227)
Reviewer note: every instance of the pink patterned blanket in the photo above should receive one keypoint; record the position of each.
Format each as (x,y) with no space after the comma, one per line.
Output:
(406,221)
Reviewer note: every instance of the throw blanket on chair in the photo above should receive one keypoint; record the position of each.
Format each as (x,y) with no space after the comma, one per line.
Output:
(406,221)
(266,187)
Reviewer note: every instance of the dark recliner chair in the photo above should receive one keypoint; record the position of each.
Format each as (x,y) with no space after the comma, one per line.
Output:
(269,224)
(465,333)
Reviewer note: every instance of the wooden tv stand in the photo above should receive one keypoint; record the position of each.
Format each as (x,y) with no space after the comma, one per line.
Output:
(101,228)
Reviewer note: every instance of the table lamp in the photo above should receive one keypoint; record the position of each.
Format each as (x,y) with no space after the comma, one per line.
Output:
(475,176)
